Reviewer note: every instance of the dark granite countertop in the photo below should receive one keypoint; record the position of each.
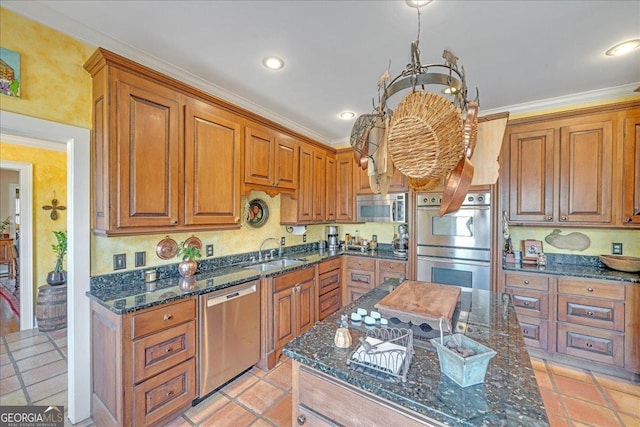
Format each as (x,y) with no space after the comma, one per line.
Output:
(508,397)
(575,270)
(128,292)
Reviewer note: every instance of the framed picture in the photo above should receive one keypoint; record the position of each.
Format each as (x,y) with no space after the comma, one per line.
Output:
(9,72)
(530,251)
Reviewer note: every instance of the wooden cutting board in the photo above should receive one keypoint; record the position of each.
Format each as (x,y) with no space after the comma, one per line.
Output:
(420,302)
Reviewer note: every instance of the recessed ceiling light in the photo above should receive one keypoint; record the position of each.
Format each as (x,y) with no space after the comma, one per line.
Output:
(346,115)
(624,47)
(273,63)
(417,3)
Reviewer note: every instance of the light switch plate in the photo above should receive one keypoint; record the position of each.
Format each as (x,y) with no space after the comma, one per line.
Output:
(119,261)
(282,240)
(141,259)
(209,250)
(616,248)
(304,238)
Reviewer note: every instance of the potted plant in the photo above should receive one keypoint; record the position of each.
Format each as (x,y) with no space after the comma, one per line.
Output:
(189,255)
(58,276)
(4,227)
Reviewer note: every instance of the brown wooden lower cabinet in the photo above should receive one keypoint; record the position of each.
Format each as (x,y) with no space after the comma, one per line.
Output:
(362,274)
(143,363)
(321,400)
(329,287)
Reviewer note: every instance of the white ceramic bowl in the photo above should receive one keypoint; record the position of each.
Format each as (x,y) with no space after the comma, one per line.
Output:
(356,317)
(368,320)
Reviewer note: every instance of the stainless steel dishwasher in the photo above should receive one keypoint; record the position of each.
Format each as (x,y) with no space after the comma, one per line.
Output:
(229,334)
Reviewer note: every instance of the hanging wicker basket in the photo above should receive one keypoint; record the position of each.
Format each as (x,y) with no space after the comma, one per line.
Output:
(426,136)
(423,184)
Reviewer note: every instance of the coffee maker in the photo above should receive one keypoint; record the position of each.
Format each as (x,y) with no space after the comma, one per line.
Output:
(333,241)
(401,241)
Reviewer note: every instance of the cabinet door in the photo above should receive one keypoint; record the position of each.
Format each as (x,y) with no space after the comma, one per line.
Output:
(398,183)
(631,175)
(319,176)
(212,168)
(285,163)
(531,175)
(305,187)
(330,188)
(586,165)
(345,197)
(146,156)
(283,317)
(391,270)
(305,306)
(258,156)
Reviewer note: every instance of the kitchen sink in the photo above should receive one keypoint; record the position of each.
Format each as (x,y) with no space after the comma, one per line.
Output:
(276,263)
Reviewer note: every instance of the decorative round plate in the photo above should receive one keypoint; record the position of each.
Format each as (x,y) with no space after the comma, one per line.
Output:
(193,241)
(167,248)
(257,213)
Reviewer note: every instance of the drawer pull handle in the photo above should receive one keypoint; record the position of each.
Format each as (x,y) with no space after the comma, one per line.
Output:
(168,350)
(525,331)
(168,317)
(526,282)
(589,289)
(301,419)
(589,345)
(590,313)
(169,393)
(525,303)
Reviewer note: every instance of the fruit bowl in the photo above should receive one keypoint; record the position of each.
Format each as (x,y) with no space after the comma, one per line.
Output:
(628,264)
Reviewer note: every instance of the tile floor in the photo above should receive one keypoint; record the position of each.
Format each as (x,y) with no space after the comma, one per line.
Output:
(33,371)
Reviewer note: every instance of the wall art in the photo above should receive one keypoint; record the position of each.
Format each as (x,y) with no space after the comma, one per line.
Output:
(9,72)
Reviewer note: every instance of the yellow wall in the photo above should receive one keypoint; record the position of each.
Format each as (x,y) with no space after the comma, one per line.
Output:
(49,176)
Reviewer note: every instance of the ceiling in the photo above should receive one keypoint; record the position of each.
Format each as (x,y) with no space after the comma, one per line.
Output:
(521,55)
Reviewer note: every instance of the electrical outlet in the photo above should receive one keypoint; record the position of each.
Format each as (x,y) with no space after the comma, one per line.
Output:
(209,250)
(282,241)
(141,259)
(616,248)
(304,238)
(119,261)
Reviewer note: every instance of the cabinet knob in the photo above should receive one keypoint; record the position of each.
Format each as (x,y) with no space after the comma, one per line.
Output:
(629,220)
(590,313)
(589,345)
(525,331)
(174,222)
(168,316)
(526,282)
(548,218)
(525,303)
(301,419)
(168,394)
(589,289)
(563,218)
(168,350)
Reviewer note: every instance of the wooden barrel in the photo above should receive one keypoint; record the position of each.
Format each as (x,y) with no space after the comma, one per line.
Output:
(51,308)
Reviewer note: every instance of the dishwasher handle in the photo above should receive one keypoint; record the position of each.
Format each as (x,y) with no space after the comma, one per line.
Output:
(231,295)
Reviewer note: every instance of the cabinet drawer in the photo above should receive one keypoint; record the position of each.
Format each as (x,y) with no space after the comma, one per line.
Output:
(330,264)
(165,394)
(360,278)
(294,278)
(595,312)
(160,351)
(328,282)
(530,303)
(528,281)
(361,263)
(591,289)
(166,316)
(329,303)
(392,266)
(354,292)
(591,343)
(535,331)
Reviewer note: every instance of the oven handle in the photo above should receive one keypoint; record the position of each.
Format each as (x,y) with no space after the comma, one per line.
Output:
(454,261)
(462,208)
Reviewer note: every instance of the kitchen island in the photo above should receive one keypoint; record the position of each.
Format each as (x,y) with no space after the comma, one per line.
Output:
(327,392)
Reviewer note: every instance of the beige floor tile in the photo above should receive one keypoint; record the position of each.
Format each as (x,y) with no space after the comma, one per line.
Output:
(32,351)
(63,350)
(556,421)
(261,422)
(543,379)
(19,336)
(240,384)
(84,423)
(179,421)
(538,364)
(624,402)
(618,384)
(630,420)
(258,372)
(552,403)
(4,359)
(280,376)
(43,372)
(593,415)
(48,387)
(60,333)
(567,371)
(280,413)
(7,371)
(9,385)
(39,360)
(27,342)
(231,415)
(206,408)
(3,348)
(15,398)
(58,399)
(260,396)
(578,389)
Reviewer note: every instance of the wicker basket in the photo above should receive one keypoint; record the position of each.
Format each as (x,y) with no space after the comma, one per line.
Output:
(426,136)
(423,184)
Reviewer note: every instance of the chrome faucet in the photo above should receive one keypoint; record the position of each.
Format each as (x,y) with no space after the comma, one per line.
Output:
(260,259)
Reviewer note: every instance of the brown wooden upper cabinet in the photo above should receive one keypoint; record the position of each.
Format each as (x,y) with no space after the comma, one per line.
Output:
(144,126)
(560,172)
(631,167)
(270,160)
(398,184)
(344,196)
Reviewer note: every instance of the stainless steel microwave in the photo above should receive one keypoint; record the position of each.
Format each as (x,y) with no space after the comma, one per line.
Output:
(379,208)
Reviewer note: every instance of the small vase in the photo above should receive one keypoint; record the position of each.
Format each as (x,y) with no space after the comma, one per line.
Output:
(57,278)
(187,268)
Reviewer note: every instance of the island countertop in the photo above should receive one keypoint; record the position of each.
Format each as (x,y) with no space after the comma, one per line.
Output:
(508,396)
